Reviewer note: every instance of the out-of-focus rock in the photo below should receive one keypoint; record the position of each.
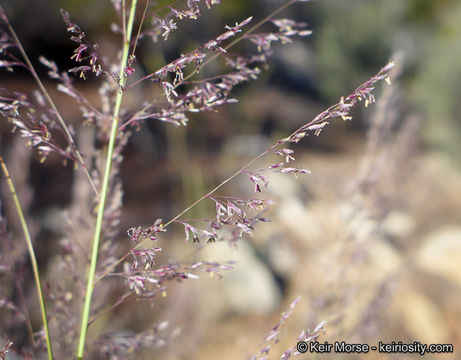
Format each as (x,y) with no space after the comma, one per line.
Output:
(441,253)
(293,215)
(398,224)
(420,316)
(383,260)
(281,257)
(250,287)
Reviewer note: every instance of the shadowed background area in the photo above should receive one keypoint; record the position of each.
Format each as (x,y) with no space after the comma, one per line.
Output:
(370,240)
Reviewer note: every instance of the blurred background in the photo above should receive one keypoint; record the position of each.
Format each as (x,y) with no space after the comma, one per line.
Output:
(371,240)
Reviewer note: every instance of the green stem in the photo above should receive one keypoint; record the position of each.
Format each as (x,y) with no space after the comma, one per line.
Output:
(33,260)
(105,186)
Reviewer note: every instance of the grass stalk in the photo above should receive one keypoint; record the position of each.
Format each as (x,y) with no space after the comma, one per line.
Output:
(105,184)
(32,257)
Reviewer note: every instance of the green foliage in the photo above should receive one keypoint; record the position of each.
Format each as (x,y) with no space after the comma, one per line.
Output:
(436,89)
(354,37)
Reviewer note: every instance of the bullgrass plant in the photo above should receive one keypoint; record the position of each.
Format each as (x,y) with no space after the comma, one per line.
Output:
(69,310)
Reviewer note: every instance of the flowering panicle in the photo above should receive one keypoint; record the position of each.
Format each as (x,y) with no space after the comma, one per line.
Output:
(229,210)
(212,268)
(260,181)
(197,233)
(286,30)
(257,180)
(196,57)
(205,95)
(5,349)
(343,108)
(340,110)
(85,51)
(273,336)
(306,336)
(208,94)
(121,346)
(7,59)
(163,26)
(138,234)
(214,45)
(66,85)
(146,257)
(147,281)
(35,122)
(171,116)
(12,102)
(176,67)
(231,215)
(287,156)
